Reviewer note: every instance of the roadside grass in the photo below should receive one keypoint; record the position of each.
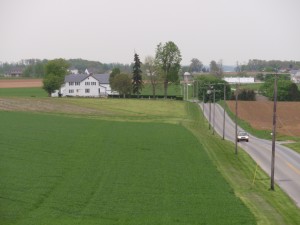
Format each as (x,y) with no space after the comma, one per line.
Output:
(22,92)
(269,207)
(254,86)
(64,170)
(294,146)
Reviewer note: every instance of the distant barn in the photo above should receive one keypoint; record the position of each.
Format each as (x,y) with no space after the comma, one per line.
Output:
(241,80)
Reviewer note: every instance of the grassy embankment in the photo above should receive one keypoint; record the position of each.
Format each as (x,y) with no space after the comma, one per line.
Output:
(166,168)
(269,207)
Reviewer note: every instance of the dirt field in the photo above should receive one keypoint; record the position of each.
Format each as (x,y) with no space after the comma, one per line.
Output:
(260,114)
(20,83)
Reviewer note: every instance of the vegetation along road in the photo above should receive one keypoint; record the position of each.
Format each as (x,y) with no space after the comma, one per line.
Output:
(287,162)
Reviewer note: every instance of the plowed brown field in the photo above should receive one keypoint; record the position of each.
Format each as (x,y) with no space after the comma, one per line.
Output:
(19,83)
(260,115)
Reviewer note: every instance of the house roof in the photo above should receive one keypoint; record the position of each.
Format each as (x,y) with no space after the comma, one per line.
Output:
(102,78)
(75,77)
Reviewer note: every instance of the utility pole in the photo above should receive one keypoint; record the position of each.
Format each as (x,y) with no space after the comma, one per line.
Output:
(224,111)
(183,92)
(193,95)
(197,92)
(209,106)
(187,91)
(214,111)
(274,134)
(236,112)
(203,102)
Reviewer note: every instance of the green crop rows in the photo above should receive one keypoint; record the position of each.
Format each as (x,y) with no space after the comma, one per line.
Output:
(62,170)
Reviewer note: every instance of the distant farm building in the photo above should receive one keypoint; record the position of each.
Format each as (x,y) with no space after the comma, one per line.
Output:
(295,76)
(187,77)
(240,80)
(85,85)
(14,73)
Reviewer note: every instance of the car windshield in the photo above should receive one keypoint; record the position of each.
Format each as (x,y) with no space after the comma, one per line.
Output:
(243,134)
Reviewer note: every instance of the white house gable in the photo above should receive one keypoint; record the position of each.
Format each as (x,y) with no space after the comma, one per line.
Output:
(84,85)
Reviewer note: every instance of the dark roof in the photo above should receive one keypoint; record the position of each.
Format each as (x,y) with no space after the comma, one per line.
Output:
(102,78)
(75,77)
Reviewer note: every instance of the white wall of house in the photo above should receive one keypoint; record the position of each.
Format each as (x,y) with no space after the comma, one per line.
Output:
(242,80)
(296,78)
(89,87)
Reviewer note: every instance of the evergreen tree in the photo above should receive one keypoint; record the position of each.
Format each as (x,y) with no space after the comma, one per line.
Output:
(137,82)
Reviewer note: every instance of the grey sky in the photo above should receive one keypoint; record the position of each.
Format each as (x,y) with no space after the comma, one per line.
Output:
(110,30)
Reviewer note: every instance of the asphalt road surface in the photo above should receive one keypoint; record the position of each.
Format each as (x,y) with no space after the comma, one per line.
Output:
(287,162)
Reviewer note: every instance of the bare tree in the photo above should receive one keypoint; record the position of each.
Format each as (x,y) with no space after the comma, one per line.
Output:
(196,65)
(216,68)
(149,66)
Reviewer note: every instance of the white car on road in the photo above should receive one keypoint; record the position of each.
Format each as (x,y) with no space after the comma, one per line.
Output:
(242,136)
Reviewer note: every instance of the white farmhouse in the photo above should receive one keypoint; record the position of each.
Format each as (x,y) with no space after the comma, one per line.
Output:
(295,76)
(85,85)
(241,80)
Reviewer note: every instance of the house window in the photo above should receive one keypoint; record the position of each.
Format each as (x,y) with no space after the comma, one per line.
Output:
(71,83)
(71,91)
(87,90)
(77,83)
(93,83)
(87,83)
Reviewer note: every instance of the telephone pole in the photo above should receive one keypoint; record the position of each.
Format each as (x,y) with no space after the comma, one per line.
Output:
(224,111)
(236,112)
(214,111)
(274,134)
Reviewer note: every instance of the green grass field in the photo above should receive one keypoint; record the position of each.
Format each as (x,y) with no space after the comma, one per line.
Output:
(172,89)
(62,170)
(39,92)
(294,146)
(22,92)
(254,86)
(127,162)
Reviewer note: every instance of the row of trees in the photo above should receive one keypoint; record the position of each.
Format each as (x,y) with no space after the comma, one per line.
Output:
(36,67)
(164,67)
(286,89)
(215,84)
(256,65)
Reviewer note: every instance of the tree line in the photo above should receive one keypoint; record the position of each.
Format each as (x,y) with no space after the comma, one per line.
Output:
(256,65)
(164,67)
(36,68)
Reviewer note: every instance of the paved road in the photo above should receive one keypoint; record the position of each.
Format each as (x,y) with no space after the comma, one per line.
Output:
(287,162)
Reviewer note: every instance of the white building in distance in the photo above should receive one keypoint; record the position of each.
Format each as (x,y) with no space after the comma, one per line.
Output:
(239,80)
(85,85)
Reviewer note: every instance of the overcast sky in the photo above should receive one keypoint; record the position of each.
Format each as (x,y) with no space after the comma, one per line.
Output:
(111,30)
